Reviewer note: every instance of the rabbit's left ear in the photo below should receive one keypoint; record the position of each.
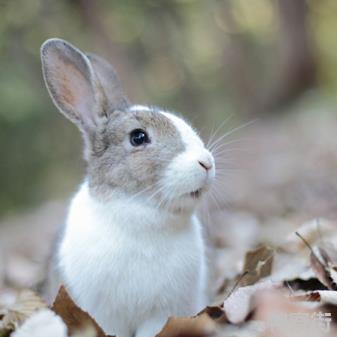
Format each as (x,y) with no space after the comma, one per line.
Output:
(72,83)
(111,86)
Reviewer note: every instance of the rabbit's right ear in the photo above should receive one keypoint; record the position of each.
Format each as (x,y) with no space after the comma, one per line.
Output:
(72,83)
(112,88)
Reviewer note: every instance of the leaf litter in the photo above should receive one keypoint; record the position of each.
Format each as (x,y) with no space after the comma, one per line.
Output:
(245,299)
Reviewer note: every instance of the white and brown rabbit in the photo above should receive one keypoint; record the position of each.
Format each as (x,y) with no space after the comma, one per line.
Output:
(132,252)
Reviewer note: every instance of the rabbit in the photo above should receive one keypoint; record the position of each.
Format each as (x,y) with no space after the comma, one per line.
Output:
(132,252)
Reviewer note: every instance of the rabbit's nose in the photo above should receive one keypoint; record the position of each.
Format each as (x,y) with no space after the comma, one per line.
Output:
(206,164)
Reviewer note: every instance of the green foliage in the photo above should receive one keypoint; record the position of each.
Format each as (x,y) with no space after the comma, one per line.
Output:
(199,57)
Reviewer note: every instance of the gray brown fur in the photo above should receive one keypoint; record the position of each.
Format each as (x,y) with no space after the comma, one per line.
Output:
(115,164)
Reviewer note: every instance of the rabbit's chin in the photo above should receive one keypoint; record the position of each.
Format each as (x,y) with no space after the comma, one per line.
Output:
(186,202)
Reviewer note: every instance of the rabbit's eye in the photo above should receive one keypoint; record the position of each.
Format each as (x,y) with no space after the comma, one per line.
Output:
(139,137)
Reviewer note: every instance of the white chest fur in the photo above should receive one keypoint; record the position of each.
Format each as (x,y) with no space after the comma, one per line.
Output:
(132,266)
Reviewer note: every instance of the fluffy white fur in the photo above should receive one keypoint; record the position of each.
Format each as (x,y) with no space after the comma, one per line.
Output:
(132,265)
(185,174)
(130,261)
(43,323)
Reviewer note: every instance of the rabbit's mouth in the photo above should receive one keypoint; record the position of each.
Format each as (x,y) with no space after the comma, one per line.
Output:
(187,201)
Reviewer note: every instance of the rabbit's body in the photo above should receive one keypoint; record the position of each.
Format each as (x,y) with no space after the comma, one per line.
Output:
(132,252)
(132,266)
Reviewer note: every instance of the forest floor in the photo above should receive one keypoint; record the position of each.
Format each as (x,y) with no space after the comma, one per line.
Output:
(281,179)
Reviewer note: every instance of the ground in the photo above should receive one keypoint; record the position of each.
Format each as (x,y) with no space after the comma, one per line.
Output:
(278,176)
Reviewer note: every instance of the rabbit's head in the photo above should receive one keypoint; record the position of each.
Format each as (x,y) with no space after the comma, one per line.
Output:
(141,152)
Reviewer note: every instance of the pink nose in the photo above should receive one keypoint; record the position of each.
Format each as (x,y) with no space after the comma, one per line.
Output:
(206,165)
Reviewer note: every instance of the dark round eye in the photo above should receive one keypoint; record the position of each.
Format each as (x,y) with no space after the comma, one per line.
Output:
(138,137)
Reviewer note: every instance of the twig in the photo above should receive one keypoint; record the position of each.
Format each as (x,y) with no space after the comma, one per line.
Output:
(305,242)
(237,283)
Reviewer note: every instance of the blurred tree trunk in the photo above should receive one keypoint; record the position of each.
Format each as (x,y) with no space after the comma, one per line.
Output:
(237,64)
(294,70)
(297,68)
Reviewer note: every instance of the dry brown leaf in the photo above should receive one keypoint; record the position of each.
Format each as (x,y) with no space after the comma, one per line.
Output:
(311,284)
(27,302)
(333,274)
(313,231)
(258,264)
(290,267)
(312,296)
(217,313)
(320,265)
(326,301)
(198,326)
(323,296)
(73,316)
(285,317)
(252,328)
(240,303)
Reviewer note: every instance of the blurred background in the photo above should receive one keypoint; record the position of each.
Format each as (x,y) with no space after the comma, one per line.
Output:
(275,60)
(205,59)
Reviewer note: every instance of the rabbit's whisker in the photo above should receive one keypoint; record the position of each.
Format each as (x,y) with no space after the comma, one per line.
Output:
(227,134)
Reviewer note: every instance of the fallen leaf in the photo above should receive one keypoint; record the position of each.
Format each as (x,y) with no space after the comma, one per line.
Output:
(198,326)
(313,231)
(320,265)
(217,313)
(251,328)
(26,303)
(285,317)
(333,274)
(312,296)
(305,285)
(326,301)
(323,296)
(289,267)
(240,303)
(73,316)
(257,265)
(44,323)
